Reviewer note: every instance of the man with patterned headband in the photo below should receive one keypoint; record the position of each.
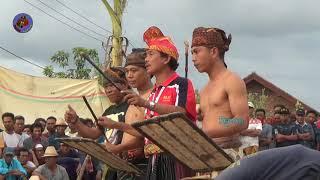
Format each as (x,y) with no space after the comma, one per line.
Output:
(132,145)
(223,101)
(171,93)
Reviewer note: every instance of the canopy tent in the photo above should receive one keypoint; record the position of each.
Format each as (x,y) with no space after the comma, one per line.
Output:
(34,97)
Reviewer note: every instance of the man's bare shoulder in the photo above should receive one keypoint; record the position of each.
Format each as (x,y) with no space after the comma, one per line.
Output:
(234,80)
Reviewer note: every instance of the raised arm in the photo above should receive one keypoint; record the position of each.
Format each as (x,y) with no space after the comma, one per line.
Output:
(84,131)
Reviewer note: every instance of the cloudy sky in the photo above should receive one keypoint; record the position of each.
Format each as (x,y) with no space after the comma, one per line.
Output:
(277,39)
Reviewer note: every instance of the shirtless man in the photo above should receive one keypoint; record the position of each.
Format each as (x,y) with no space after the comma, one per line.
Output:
(137,77)
(223,101)
(131,147)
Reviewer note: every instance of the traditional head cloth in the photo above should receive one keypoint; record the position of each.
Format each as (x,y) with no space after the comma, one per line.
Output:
(157,41)
(137,58)
(211,37)
(115,74)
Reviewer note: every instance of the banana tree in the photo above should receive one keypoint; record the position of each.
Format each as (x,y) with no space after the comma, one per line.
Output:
(116,18)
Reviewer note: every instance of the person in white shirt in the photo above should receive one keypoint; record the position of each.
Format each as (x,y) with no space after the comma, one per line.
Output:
(10,138)
(18,129)
(250,137)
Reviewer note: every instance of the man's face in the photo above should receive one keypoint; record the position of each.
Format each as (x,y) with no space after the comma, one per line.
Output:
(284,118)
(51,161)
(251,110)
(8,123)
(260,115)
(136,76)
(27,131)
(311,118)
(202,58)
(51,125)
(23,158)
(113,94)
(18,126)
(37,132)
(268,121)
(300,119)
(61,129)
(277,118)
(64,149)
(154,62)
(39,152)
(8,158)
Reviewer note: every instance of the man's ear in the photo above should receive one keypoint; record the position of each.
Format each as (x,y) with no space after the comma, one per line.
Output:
(167,60)
(214,52)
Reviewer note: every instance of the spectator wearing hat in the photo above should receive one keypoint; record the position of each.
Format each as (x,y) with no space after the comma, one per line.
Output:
(51,170)
(251,110)
(36,137)
(250,137)
(34,178)
(37,155)
(11,168)
(304,130)
(61,127)
(285,132)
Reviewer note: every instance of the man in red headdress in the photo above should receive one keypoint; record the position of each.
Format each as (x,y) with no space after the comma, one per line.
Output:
(171,93)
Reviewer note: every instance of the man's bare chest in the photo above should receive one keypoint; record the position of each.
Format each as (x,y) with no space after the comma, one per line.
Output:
(213,97)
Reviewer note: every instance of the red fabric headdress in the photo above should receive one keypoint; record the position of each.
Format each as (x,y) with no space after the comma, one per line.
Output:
(157,41)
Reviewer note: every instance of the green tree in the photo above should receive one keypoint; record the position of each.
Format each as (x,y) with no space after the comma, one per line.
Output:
(75,68)
(259,99)
(116,19)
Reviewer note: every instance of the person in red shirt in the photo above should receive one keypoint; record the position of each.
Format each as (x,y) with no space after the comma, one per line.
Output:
(171,93)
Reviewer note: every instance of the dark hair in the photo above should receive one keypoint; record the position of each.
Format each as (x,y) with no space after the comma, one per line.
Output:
(261,110)
(173,63)
(38,120)
(312,112)
(276,112)
(22,149)
(8,114)
(18,117)
(52,117)
(279,105)
(36,125)
(27,126)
